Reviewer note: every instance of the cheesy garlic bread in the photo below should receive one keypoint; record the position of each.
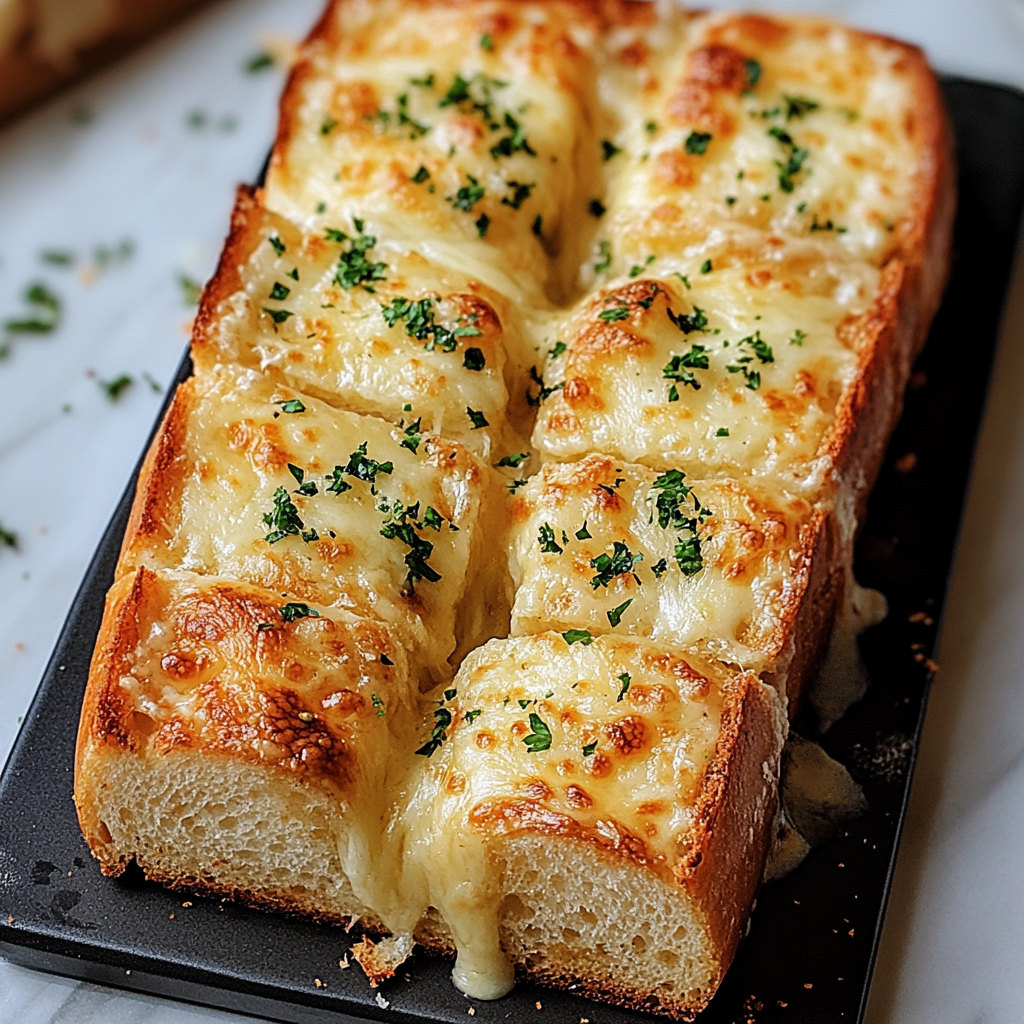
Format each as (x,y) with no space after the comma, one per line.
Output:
(473,577)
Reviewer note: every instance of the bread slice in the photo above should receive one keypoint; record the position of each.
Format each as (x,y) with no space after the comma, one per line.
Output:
(711,244)
(250,481)
(240,744)
(611,800)
(414,343)
(611,547)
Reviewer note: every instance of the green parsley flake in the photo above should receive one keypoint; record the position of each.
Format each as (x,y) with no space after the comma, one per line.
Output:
(540,738)
(486,42)
(596,208)
(798,337)
(284,520)
(722,432)
(557,350)
(613,314)
(697,143)
(297,610)
(609,149)
(442,719)
(8,538)
(421,325)
(412,437)
(379,705)
(513,461)
(420,176)
(354,269)
(705,267)
(753,70)
(476,418)
(482,223)
(625,680)
(615,615)
(280,292)
(259,62)
(115,388)
(291,405)
(797,156)
(401,525)
(433,519)
(589,748)
(278,245)
(514,142)
(473,359)
(546,540)
(638,268)
(688,323)
(279,316)
(578,636)
(604,249)
(520,193)
(538,226)
(583,533)
(619,563)
(695,359)
(799,106)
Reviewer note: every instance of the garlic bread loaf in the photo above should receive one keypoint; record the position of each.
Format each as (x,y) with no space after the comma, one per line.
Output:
(472,579)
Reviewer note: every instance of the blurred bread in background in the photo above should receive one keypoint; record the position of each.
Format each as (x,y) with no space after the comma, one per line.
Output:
(47,44)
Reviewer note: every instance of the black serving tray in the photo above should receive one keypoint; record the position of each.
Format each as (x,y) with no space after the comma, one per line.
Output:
(811,946)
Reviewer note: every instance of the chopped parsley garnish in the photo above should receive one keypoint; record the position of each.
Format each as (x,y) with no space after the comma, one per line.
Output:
(379,705)
(799,106)
(597,208)
(482,223)
(753,70)
(476,418)
(259,62)
(625,680)
(546,540)
(613,314)
(578,636)
(284,520)
(43,314)
(722,432)
(638,268)
(514,142)
(292,405)
(741,364)
(795,162)
(427,81)
(486,42)
(615,615)
(670,503)
(279,316)
(538,226)
(468,195)
(688,323)
(473,359)
(472,716)
(279,246)
(515,485)
(520,193)
(297,610)
(474,95)
(412,437)
(514,461)
(115,388)
(695,359)
(353,266)
(545,392)
(618,563)
(328,125)
(8,538)
(827,226)
(420,324)
(651,127)
(307,489)
(442,719)
(697,143)
(589,748)
(420,176)
(609,149)
(659,568)
(433,519)
(555,352)
(583,533)
(540,738)
(684,279)
(280,292)
(416,129)
(364,468)
(604,248)
(401,525)
(706,267)
(798,337)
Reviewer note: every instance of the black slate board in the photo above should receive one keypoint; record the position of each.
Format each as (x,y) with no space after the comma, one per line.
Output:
(812,942)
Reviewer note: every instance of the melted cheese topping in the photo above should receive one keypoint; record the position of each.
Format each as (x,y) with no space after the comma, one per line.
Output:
(749,572)
(239,444)
(723,378)
(615,765)
(293,320)
(216,667)
(493,100)
(818,138)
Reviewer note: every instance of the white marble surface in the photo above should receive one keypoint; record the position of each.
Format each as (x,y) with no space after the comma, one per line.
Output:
(954,938)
